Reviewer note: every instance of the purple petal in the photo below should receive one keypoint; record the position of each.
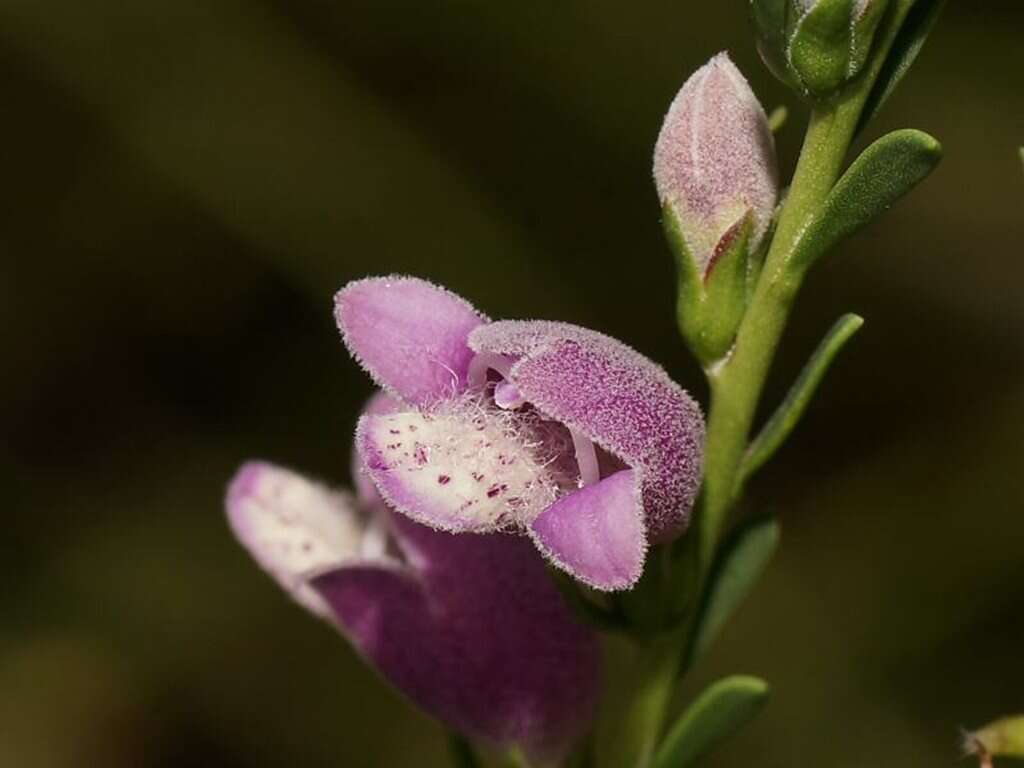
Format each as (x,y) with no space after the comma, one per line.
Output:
(715,159)
(619,399)
(479,637)
(597,533)
(292,526)
(409,335)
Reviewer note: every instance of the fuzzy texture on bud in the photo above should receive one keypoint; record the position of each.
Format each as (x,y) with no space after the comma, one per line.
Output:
(714,160)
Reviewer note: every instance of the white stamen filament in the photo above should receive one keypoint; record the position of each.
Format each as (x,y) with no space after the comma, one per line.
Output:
(586,459)
(484,362)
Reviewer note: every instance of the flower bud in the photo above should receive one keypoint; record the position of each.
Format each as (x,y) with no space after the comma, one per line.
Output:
(816,46)
(715,172)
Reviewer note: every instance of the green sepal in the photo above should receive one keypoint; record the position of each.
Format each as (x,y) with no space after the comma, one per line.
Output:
(789,412)
(864,35)
(819,47)
(710,306)
(719,712)
(905,48)
(770,24)
(738,568)
(881,175)
(1002,738)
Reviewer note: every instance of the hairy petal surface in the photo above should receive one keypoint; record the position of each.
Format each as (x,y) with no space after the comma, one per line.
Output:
(715,159)
(619,399)
(292,526)
(462,466)
(597,533)
(409,335)
(480,637)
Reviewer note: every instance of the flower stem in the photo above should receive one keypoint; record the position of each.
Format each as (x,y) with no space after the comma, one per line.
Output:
(737,382)
(636,734)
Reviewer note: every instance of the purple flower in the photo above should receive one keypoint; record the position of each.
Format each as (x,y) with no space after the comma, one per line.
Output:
(471,628)
(522,425)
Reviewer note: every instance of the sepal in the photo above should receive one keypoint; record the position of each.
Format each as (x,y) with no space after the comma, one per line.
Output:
(711,304)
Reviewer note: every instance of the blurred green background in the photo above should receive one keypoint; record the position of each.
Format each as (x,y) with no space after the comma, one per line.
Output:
(187,182)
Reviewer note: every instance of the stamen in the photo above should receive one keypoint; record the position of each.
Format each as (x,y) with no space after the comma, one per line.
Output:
(586,459)
(484,362)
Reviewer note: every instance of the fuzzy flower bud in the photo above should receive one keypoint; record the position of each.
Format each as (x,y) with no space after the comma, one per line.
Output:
(716,176)
(816,46)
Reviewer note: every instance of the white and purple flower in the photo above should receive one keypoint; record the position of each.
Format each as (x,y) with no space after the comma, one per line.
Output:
(470,628)
(532,426)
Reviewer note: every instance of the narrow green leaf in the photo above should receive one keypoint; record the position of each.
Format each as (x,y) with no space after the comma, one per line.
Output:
(720,711)
(461,752)
(788,414)
(743,560)
(905,49)
(881,175)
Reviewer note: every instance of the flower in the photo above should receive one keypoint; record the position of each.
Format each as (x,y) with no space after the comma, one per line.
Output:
(470,628)
(714,162)
(532,426)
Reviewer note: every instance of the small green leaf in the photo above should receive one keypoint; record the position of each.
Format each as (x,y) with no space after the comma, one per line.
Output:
(884,172)
(1002,738)
(788,414)
(905,49)
(720,711)
(740,566)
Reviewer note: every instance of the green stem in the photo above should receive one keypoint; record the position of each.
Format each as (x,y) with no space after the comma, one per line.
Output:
(738,380)
(636,734)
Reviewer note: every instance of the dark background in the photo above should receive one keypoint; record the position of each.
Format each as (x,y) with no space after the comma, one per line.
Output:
(187,182)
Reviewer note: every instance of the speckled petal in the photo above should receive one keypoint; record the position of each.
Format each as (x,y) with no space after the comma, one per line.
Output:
(616,397)
(478,636)
(292,526)
(409,335)
(715,159)
(463,467)
(597,533)
(379,404)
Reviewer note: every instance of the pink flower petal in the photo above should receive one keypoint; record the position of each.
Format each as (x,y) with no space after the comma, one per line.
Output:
(409,335)
(597,533)
(292,526)
(619,399)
